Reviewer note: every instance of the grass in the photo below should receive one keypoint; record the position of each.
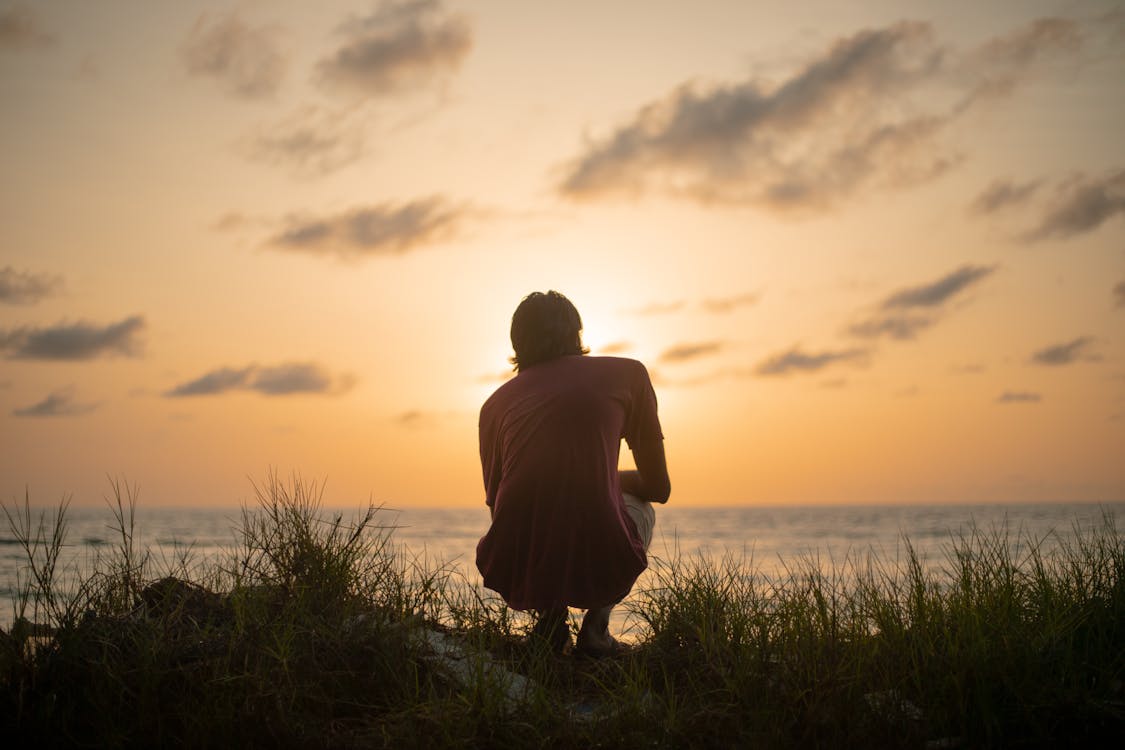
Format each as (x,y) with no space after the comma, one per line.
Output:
(319,631)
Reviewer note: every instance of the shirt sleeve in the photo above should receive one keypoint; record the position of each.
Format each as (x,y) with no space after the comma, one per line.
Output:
(642,422)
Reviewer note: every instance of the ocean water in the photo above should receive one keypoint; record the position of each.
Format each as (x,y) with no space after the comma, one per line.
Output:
(771,539)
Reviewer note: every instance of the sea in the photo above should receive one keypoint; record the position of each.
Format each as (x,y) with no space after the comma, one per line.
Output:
(772,541)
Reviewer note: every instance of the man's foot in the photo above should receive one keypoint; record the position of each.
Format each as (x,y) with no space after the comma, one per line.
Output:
(599,650)
(593,637)
(553,631)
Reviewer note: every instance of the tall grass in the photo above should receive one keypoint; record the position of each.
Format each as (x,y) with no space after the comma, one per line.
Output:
(319,631)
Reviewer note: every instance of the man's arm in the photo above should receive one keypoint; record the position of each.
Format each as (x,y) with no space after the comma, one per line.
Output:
(650,481)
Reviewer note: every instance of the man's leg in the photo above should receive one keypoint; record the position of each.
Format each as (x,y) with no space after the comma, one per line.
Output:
(552,627)
(593,636)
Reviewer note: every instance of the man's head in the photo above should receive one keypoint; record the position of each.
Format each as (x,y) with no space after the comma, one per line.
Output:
(545,326)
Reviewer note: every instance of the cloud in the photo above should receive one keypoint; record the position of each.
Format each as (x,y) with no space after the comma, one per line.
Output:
(861,114)
(399,48)
(416,419)
(58,404)
(311,142)
(726,304)
(383,229)
(20,29)
(685,352)
(287,379)
(277,380)
(501,376)
(905,313)
(1064,354)
(796,361)
(717,305)
(73,341)
(1081,204)
(615,347)
(246,61)
(1002,194)
(938,292)
(412,418)
(706,378)
(217,381)
(231,221)
(998,66)
(1119,294)
(900,327)
(25,287)
(1018,397)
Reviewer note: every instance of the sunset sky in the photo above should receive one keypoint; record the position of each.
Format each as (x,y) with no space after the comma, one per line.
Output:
(870,251)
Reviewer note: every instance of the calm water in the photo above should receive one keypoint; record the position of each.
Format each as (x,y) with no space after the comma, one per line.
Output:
(772,538)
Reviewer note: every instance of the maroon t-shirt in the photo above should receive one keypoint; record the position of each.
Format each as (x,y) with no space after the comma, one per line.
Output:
(549,444)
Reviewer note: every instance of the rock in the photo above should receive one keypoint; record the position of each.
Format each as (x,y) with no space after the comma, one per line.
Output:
(468,667)
(889,704)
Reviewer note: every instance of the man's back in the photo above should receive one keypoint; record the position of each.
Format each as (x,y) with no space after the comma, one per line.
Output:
(549,442)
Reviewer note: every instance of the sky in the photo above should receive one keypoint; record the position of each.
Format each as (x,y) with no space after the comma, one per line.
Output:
(870,252)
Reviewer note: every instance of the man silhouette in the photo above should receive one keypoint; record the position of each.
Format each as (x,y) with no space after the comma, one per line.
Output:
(568,529)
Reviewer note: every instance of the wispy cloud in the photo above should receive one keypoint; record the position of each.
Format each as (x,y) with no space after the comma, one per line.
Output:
(74,341)
(1002,194)
(246,61)
(905,313)
(998,66)
(297,377)
(397,49)
(59,403)
(1018,397)
(1081,204)
(1119,295)
(20,29)
(689,351)
(797,361)
(415,419)
(938,292)
(1064,354)
(25,287)
(500,376)
(382,229)
(660,379)
(287,379)
(858,115)
(716,305)
(214,382)
(310,142)
(720,305)
(615,347)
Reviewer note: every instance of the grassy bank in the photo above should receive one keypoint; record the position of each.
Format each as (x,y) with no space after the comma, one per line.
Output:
(319,632)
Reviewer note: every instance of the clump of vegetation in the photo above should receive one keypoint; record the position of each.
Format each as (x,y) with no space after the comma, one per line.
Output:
(319,632)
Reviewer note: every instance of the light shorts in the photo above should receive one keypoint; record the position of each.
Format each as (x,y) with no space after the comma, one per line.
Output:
(644,517)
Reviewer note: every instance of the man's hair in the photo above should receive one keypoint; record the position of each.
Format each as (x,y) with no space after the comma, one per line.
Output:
(545,326)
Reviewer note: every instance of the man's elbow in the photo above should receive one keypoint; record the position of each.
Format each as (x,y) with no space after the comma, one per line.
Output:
(660,491)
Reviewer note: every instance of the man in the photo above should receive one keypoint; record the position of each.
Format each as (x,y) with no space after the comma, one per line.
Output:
(568,529)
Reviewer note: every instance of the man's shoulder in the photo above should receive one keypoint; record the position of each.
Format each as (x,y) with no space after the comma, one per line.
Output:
(498,395)
(631,367)
(615,362)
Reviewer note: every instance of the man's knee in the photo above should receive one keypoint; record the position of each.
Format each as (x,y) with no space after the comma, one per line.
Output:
(643,515)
